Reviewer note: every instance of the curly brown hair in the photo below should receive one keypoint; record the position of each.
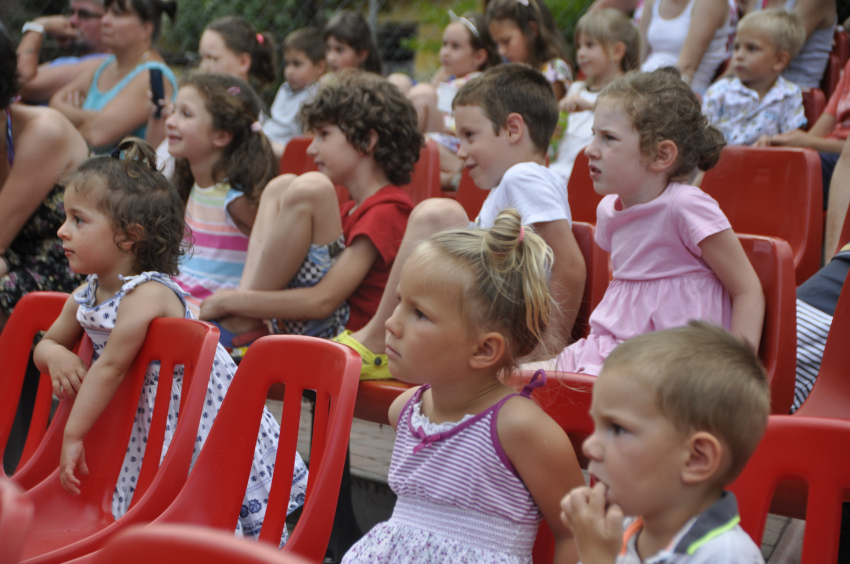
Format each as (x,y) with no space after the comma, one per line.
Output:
(359,102)
(662,106)
(140,201)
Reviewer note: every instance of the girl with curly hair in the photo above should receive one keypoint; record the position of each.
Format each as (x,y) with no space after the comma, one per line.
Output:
(124,228)
(317,265)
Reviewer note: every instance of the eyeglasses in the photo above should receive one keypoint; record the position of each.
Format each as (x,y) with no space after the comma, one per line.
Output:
(83,14)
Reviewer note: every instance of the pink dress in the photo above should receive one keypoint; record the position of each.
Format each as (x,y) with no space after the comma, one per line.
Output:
(660,281)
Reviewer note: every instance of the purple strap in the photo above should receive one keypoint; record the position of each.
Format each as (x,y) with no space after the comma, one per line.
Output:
(10,148)
(537,381)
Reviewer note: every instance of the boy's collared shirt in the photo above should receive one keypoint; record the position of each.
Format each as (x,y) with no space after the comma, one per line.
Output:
(737,111)
(712,536)
(284,123)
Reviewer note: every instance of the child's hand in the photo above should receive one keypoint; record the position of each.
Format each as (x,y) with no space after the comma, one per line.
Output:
(598,532)
(574,104)
(165,103)
(796,138)
(73,458)
(66,373)
(214,306)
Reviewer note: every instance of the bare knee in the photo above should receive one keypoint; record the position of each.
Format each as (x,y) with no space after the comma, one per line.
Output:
(437,214)
(309,188)
(403,81)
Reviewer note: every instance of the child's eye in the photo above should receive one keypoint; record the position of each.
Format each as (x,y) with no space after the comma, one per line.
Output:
(419,315)
(617,430)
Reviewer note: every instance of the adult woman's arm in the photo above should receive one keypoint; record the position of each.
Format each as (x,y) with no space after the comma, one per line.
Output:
(31,42)
(49,79)
(707,17)
(643,28)
(839,202)
(63,102)
(815,14)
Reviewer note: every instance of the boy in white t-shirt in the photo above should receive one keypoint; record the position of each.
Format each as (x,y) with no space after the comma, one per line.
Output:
(505,119)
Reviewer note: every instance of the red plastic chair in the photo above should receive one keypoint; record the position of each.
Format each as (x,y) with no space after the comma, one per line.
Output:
(814,103)
(66,527)
(832,74)
(213,494)
(34,312)
(15,519)
(178,544)
(814,449)
(775,192)
(597,263)
(842,46)
(583,198)
(470,196)
(294,159)
(772,260)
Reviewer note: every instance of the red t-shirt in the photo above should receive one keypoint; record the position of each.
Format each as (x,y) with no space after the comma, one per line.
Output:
(382,217)
(839,107)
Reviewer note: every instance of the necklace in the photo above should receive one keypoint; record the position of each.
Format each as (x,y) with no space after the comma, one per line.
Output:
(141,60)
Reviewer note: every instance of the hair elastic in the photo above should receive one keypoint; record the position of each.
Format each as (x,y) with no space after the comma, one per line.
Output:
(116,153)
(234,90)
(466,22)
(260,38)
(256,127)
(521,234)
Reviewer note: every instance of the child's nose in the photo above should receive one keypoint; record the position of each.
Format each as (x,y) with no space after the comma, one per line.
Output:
(63,231)
(392,325)
(591,447)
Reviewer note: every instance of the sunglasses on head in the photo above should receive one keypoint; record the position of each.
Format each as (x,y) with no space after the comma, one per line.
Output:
(83,14)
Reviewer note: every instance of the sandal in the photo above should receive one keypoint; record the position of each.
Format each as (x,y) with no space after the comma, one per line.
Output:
(375,366)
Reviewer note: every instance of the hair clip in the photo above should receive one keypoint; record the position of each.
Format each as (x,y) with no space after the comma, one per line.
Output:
(521,234)
(466,22)
(116,153)
(234,90)
(256,127)
(523,2)
(260,38)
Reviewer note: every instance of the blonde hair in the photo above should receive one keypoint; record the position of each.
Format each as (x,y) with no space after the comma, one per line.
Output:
(705,379)
(506,288)
(785,29)
(609,27)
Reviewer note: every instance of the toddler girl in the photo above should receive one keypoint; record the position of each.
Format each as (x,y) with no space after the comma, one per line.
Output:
(607,45)
(124,228)
(674,254)
(223,163)
(350,44)
(474,464)
(525,32)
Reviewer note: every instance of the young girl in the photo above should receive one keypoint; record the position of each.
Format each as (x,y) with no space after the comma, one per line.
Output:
(475,464)
(350,44)
(223,163)
(674,254)
(229,45)
(607,45)
(309,255)
(124,228)
(525,32)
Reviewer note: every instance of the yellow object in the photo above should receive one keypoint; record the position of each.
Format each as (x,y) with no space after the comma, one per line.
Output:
(375,366)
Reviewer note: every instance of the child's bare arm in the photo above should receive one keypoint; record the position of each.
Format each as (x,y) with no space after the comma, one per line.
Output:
(598,531)
(725,256)
(53,355)
(543,457)
(568,271)
(315,302)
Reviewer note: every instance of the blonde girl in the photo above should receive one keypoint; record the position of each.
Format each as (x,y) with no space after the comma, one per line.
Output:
(607,45)
(674,254)
(475,464)
(124,228)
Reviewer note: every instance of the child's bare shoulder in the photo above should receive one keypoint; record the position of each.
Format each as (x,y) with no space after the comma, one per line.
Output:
(521,419)
(154,298)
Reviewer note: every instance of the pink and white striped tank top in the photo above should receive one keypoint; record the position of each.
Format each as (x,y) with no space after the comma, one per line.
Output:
(459,484)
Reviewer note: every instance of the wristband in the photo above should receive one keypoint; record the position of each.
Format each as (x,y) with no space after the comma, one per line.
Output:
(32,26)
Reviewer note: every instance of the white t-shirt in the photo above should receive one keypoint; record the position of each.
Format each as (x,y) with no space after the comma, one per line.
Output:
(578,134)
(535,191)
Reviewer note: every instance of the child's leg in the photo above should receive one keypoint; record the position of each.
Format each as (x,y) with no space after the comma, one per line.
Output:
(403,81)
(424,98)
(429,217)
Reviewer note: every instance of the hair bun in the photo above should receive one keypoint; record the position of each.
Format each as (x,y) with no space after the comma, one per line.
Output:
(136,152)
(506,234)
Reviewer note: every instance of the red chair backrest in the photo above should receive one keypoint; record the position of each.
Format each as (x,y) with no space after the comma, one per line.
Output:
(598,276)
(844,238)
(775,192)
(34,312)
(842,46)
(814,103)
(583,198)
(294,159)
(178,544)
(832,74)
(66,526)
(224,465)
(15,519)
(772,260)
(814,449)
(470,196)
(830,395)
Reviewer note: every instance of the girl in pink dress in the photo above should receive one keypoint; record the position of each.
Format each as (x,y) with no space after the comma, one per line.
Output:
(674,254)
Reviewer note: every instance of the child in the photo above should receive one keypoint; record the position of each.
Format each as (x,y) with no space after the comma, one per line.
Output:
(223,163)
(678,413)
(607,45)
(349,44)
(674,254)
(474,464)
(525,33)
(124,228)
(304,57)
(758,101)
(505,118)
(310,258)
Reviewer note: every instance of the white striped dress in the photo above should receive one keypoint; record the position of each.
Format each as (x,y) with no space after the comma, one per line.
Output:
(459,497)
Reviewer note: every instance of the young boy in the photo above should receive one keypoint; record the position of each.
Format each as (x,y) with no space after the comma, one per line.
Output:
(757,102)
(677,413)
(505,119)
(304,57)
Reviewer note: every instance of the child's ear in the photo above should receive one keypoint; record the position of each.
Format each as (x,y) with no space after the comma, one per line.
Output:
(373,142)
(535,31)
(362,56)
(782,60)
(514,127)
(665,156)
(618,51)
(321,66)
(244,63)
(129,237)
(480,58)
(221,139)
(705,458)
(489,350)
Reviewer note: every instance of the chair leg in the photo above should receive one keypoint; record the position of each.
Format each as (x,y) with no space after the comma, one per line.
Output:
(21,425)
(345,530)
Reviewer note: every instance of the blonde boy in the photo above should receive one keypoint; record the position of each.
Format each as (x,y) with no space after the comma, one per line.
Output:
(757,102)
(677,413)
